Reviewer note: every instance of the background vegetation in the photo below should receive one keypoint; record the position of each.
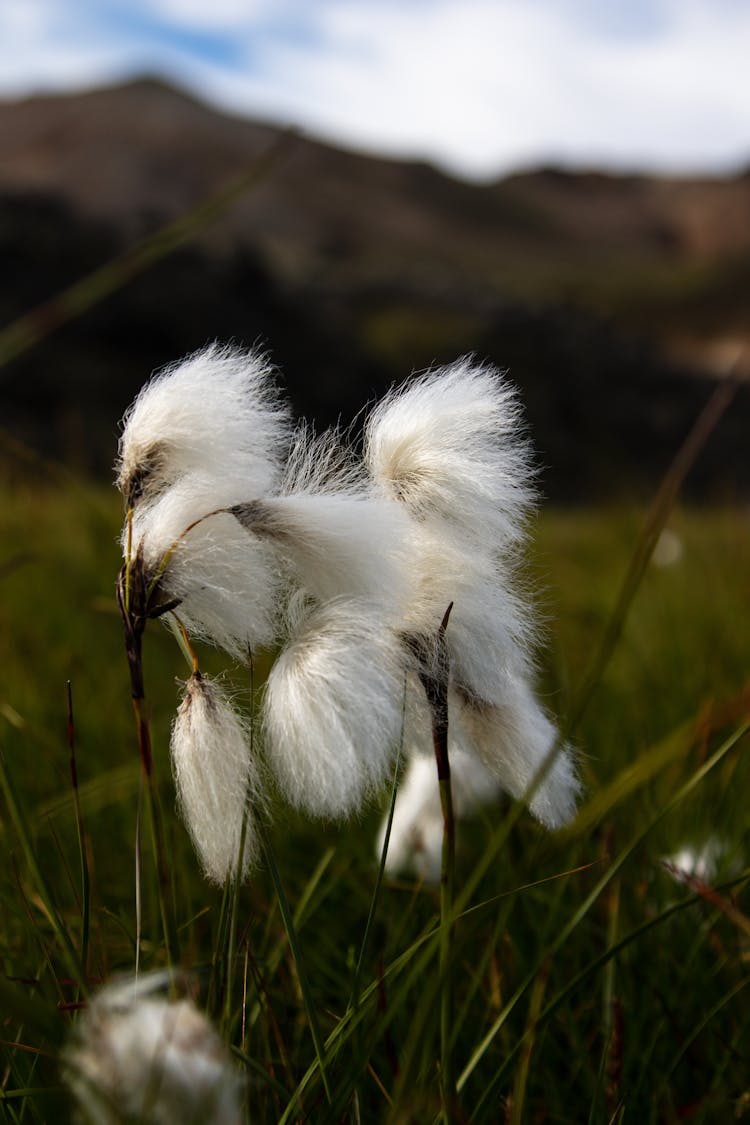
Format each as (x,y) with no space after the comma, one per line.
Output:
(589,983)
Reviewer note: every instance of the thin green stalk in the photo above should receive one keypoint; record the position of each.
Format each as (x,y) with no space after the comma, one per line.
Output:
(139,875)
(435,677)
(532,1023)
(71,959)
(354,998)
(447,932)
(291,934)
(583,909)
(236,884)
(658,514)
(271,962)
(701,1025)
(354,995)
(237,881)
(85,878)
(163,874)
(216,981)
(609,1044)
(134,607)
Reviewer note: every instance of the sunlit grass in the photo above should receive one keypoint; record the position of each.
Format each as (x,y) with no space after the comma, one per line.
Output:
(549,1025)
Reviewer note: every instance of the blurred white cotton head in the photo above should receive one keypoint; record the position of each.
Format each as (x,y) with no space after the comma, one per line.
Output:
(333,708)
(135,1056)
(416,840)
(216,778)
(217,412)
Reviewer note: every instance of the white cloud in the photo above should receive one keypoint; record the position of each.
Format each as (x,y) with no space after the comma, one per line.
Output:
(478,85)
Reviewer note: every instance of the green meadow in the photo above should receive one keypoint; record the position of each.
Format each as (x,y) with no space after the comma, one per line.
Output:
(587,982)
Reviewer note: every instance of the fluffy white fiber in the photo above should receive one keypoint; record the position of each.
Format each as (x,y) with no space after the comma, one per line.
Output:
(207,433)
(373,548)
(333,708)
(490,628)
(216,412)
(416,839)
(339,545)
(448,446)
(514,741)
(135,1056)
(216,776)
(227,581)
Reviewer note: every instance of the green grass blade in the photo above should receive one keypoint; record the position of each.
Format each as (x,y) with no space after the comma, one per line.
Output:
(589,901)
(291,933)
(19,819)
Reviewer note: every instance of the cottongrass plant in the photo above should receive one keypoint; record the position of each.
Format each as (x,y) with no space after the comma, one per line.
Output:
(217,778)
(389,580)
(136,1055)
(252,534)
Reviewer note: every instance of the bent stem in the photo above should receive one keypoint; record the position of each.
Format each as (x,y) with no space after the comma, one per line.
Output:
(133,601)
(435,683)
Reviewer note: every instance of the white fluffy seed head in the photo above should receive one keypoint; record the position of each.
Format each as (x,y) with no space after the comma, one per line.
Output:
(135,1056)
(337,545)
(448,446)
(514,740)
(216,777)
(490,631)
(217,412)
(227,580)
(333,708)
(338,535)
(416,839)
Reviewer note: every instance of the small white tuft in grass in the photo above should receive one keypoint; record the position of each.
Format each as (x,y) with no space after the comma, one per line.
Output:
(698,861)
(416,840)
(135,1056)
(216,778)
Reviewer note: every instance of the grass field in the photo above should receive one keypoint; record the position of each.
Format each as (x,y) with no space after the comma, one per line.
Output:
(589,985)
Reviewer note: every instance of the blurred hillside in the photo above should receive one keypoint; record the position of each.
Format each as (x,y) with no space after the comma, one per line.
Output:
(614,301)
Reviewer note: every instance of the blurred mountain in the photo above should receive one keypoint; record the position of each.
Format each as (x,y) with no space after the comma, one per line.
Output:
(613,300)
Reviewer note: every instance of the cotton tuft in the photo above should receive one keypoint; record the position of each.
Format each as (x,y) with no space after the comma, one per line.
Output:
(216,777)
(226,582)
(203,435)
(515,741)
(448,447)
(216,411)
(256,534)
(136,1056)
(333,708)
(335,545)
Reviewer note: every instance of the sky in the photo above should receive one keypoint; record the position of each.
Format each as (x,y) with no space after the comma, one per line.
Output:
(479,87)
